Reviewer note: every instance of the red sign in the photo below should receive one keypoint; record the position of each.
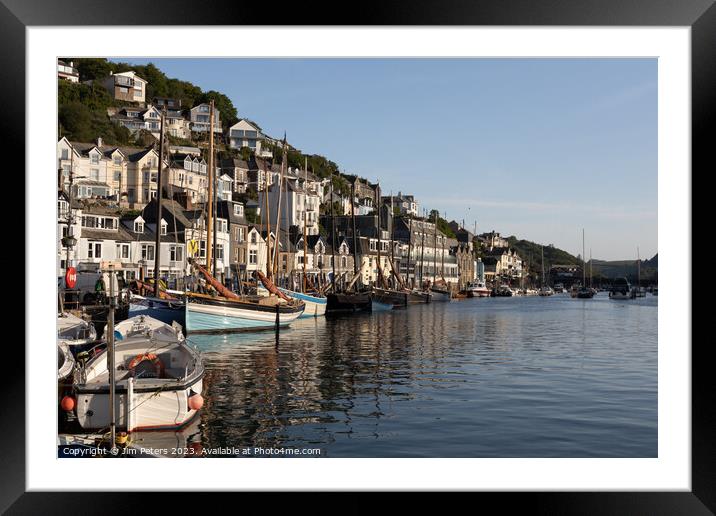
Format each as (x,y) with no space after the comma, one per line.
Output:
(71,277)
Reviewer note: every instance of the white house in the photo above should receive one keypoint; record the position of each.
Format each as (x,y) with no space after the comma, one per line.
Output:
(246,134)
(256,251)
(126,86)
(67,71)
(199,117)
(137,119)
(300,202)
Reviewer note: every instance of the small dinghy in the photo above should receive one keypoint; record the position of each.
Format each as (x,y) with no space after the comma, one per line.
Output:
(75,332)
(158,379)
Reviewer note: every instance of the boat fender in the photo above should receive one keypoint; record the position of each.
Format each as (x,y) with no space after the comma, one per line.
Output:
(158,366)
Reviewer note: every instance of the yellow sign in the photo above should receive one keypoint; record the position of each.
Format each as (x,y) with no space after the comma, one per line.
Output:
(193,247)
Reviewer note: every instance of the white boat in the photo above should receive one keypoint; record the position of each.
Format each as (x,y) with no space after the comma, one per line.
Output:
(315,305)
(477,289)
(545,291)
(77,333)
(158,380)
(65,362)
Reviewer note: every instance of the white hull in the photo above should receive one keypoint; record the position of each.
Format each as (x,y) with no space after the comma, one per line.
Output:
(151,395)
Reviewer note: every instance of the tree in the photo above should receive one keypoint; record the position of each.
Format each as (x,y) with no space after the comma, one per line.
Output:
(75,118)
(92,68)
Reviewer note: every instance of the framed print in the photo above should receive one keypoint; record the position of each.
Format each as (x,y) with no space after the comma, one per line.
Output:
(420,253)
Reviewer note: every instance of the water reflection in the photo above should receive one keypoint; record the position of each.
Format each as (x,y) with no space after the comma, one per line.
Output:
(482,377)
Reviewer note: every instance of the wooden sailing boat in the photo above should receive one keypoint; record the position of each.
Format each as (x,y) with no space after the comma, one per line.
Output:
(351,299)
(383,293)
(316,303)
(584,292)
(544,290)
(221,310)
(441,292)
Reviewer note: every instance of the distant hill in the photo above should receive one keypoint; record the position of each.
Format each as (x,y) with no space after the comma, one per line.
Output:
(531,252)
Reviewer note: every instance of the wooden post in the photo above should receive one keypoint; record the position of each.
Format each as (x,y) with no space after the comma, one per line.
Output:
(158,238)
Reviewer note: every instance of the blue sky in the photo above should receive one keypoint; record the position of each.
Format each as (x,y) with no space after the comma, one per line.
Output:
(538,148)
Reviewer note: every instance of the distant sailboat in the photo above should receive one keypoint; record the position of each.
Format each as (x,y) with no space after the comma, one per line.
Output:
(584,292)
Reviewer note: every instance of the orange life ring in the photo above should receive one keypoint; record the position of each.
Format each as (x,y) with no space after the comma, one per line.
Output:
(158,366)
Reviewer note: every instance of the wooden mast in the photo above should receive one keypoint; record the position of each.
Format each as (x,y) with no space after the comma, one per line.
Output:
(422,252)
(157,240)
(278,209)
(355,240)
(269,261)
(305,225)
(435,247)
(410,246)
(333,238)
(210,209)
(377,207)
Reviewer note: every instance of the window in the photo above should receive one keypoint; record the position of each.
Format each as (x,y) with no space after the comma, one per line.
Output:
(219,251)
(253,257)
(253,238)
(117,159)
(123,251)
(122,89)
(241,234)
(138,226)
(65,154)
(344,262)
(94,174)
(175,253)
(94,250)
(202,249)
(94,159)
(148,252)
(164,228)
(117,175)
(130,194)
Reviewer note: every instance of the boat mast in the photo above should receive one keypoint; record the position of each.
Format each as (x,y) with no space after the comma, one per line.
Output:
(410,246)
(435,247)
(269,261)
(542,276)
(210,209)
(157,239)
(278,209)
(333,238)
(584,264)
(305,225)
(377,207)
(353,222)
(422,250)
(638,268)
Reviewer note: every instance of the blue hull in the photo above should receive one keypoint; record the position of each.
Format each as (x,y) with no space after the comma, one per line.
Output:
(160,310)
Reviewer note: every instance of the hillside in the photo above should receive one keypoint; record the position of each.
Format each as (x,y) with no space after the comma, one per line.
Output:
(532,252)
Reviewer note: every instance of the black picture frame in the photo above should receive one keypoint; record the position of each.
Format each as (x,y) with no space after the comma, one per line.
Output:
(700,15)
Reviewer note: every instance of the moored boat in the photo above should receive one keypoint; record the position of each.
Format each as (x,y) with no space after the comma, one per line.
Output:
(477,289)
(348,302)
(315,305)
(621,289)
(395,298)
(158,381)
(164,310)
(439,294)
(78,334)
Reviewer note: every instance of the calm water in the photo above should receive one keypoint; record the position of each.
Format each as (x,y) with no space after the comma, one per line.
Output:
(500,377)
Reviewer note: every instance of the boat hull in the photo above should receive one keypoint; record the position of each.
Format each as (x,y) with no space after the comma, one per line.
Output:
(439,295)
(207,315)
(418,297)
(315,306)
(349,302)
(394,298)
(160,309)
(151,410)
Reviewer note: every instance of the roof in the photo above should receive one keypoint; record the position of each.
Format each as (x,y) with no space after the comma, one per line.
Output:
(234,163)
(148,235)
(131,153)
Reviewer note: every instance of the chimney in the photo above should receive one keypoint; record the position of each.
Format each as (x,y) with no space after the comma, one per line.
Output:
(99,141)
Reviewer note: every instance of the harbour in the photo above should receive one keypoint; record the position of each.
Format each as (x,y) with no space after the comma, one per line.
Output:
(222,292)
(499,377)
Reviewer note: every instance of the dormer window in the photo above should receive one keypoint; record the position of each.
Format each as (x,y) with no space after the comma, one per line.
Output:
(139,225)
(238,210)
(164,227)
(94,158)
